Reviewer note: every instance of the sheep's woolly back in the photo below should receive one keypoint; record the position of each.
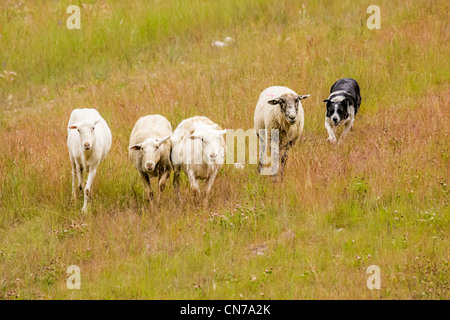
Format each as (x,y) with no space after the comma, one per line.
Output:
(152,126)
(188,127)
(84,115)
(274,92)
(198,126)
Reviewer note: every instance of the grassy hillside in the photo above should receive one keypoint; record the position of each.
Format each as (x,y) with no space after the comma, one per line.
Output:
(381,199)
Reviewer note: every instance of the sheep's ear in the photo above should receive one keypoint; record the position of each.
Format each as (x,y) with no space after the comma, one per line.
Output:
(96,122)
(303,96)
(164,139)
(274,101)
(74,126)
(221,132)
(136,147)
(326,100)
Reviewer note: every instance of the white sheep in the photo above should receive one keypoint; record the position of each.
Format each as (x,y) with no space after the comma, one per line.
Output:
(228,41)
(149,151)
(89,141)
(198,148)
(278,108)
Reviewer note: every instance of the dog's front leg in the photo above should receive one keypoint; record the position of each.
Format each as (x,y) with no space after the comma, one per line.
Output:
(347,127)
(330,129)
(345,132)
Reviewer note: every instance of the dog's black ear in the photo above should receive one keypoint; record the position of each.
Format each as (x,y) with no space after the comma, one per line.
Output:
(326,100)
(348,102)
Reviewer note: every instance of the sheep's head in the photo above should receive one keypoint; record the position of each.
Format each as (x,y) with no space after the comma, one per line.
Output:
(212,144)
(86,131)
(152,150)
(289,104)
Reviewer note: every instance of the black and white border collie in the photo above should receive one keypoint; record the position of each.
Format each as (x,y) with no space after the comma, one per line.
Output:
(342,106)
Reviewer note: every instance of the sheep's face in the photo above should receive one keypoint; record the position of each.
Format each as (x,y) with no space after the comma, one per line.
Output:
(86,131)
(213,151)
(152,150)
(289,104)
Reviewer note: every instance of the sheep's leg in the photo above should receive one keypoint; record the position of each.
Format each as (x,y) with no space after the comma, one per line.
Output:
(194,185)
(147,186)
(266,139)
(209,183)
(330,129)
(88,188)
(176,181)
(290,144)
(74,182)
(348,126)
(268,143)
(162,183)
(262,149)
(284,158)
(274,151)
(79,168)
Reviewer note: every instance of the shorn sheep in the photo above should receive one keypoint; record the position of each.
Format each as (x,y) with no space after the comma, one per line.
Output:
(89,140)
(149,151)
(278,108)
(198,149)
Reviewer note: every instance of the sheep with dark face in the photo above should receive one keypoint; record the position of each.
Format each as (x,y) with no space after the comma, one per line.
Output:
(149,151)
(278,108)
